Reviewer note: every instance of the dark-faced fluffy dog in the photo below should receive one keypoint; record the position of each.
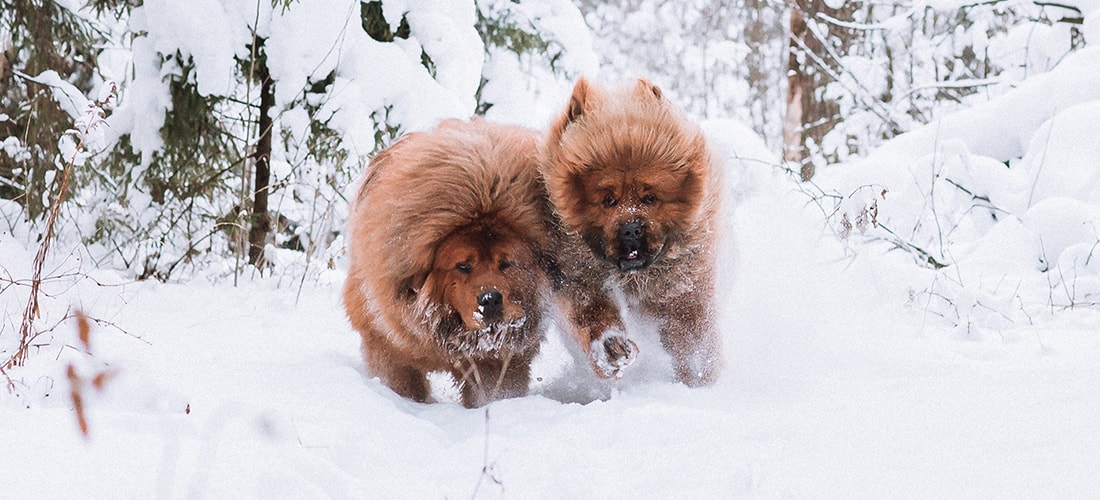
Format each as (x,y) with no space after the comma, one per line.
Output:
(637,194)
(446,237)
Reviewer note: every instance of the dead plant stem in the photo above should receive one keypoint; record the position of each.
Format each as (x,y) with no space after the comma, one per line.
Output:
(32,312)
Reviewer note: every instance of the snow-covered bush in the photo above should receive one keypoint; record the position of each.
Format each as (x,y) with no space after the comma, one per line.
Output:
(998,202)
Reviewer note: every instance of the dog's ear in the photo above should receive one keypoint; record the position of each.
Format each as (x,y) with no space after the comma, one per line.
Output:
(646,89)
(581,101)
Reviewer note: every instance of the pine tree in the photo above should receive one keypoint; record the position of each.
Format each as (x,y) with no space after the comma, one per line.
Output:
(45,36)
(165,209)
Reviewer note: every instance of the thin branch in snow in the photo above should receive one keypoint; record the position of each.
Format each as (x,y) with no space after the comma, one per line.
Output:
(972,83)
(852,25)
(932,188)
(870,101)
(488,470)
(1042,160)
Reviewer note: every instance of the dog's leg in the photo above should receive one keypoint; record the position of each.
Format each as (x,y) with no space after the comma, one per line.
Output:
(592,315)
(488,380)
(410,383)
(405,380)
(598,328)
(689,334)
(513,377)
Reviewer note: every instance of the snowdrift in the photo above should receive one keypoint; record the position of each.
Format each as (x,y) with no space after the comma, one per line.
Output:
(1003,197)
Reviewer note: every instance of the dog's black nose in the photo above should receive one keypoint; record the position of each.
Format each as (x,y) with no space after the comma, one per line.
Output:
(631,234)
(491,305)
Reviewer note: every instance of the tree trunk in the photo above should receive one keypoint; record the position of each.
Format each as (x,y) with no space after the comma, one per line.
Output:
(799,91)
(811,63)
(261,218)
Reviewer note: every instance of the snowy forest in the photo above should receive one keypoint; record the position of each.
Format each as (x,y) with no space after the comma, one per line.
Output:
(910,298)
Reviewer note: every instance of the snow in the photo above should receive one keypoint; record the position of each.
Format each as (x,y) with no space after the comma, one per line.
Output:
(1057,150)
(71,100)
(523,91)
(853,367)
(832,390)
(445,29)
(304,44)
(1091,28)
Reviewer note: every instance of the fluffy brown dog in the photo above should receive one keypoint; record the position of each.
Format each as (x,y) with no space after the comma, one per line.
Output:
(446,240)
(637,193)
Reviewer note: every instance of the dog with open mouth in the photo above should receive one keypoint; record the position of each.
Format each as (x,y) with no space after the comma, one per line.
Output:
(636,193)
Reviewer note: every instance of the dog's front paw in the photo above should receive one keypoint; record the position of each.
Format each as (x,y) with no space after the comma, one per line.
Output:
(611,353)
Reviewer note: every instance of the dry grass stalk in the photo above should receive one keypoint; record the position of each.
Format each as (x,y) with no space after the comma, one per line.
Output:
(94,116)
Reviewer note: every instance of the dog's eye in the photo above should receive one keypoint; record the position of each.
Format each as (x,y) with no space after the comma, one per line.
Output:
(505,265)
(463,268)
(610,201)
(649,199)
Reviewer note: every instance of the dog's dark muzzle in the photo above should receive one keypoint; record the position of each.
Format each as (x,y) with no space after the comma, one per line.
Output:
(633,255)
(490,305)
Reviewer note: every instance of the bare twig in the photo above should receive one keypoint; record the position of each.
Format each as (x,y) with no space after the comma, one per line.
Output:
(487,469)
(900,242)
(1042,160)
(932,187)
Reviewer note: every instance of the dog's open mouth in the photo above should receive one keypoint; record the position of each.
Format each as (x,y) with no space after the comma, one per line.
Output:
(638,259)
(633,261)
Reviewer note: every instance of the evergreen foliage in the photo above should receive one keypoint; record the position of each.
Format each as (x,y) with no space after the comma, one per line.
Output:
(502,26)
(374,23)
(198,150)
(43,35)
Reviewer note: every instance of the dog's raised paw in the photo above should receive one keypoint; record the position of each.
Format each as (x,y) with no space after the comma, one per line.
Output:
(612,353)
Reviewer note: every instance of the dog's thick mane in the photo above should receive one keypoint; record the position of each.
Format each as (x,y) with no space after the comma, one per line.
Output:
(642,123)
(455,165)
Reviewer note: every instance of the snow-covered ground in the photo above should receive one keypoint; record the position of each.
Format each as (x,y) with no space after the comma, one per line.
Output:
(854,368)
(831,392)
(837,386)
